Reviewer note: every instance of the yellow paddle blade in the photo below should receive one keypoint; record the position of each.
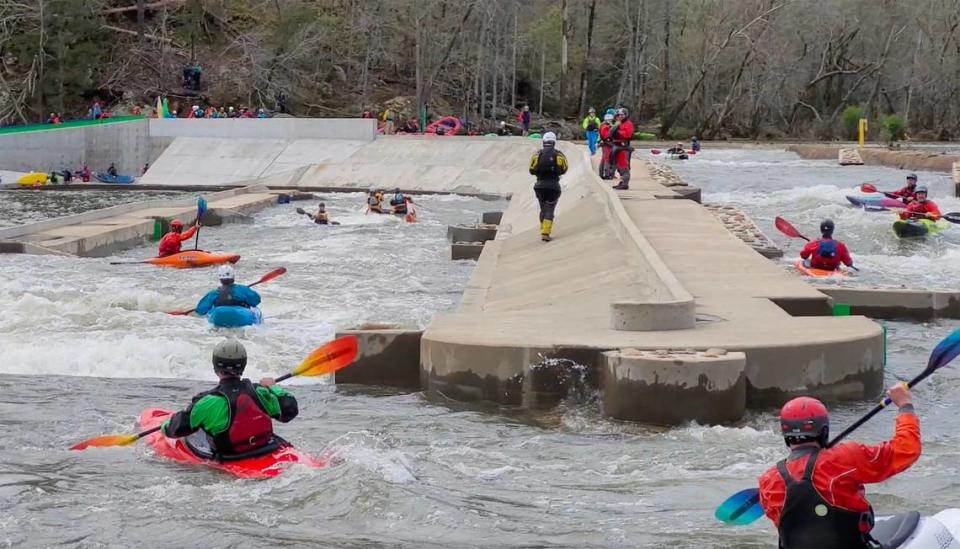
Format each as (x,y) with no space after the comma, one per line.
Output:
(329,358)
(103,441)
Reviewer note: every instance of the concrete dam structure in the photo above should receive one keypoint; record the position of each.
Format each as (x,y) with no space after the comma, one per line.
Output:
(642,295)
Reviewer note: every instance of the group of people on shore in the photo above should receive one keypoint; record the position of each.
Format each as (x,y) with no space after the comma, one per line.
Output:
(211,111)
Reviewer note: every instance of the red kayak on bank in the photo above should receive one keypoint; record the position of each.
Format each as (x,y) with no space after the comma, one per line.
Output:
(267,465)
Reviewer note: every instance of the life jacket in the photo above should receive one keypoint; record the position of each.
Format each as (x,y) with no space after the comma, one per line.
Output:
(827,248)
(373,202)
(546,167)
(250,432)
(226,299)
(322,218)
(809,521)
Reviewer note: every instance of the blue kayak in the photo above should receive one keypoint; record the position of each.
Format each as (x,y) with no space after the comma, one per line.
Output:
(114,179)
(232,316)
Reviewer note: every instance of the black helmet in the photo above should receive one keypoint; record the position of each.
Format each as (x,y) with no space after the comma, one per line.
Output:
(826,227)
(913,177)
(229,357)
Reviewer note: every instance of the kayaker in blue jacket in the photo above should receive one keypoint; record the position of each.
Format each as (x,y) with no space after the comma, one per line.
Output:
(234,419)
(228,293)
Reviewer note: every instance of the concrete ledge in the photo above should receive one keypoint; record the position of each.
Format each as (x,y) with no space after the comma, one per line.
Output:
(897,303)
(472,233)
(491,218)
(273,128)
(673,387)
(387,356)
(466,250)
(647,317)
(849,157)
(10,247)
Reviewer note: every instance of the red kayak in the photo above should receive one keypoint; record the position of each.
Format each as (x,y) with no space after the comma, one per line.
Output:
(268,465)
(186,260)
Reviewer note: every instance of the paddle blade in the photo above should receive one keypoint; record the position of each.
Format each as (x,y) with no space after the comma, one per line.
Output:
(201,206)
(301,211)
(655,151)
(944,352)
(329,358)
(952,217)
(180,313)
(271,275)
(786,228)
(104,441)
(868,188)
(741,508)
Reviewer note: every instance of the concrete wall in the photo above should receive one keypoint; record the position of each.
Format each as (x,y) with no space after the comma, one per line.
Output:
(354,129)
(126,144)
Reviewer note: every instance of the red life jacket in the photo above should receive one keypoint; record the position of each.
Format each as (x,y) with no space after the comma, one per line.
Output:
(250,432)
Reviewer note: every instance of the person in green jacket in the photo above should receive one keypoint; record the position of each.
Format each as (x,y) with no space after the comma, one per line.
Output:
(234,420)
(591,125)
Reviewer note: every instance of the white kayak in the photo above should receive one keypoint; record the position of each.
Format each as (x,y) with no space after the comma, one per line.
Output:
(912,531)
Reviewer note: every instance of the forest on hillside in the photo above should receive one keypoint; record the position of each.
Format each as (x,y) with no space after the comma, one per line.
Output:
(716,68)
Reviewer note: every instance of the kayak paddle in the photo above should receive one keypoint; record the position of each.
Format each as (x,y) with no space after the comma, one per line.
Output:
(265,278)
(308,214)
(870,188)
(744,506)
(786,228)
(201,209)
(326,359)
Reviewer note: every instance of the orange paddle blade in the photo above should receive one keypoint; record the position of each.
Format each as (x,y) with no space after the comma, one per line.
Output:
(868,188)
(270,276)
(180,313)
(329,358)
(104,441)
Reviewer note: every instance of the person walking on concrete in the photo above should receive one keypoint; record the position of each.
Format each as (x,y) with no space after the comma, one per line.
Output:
(620,134)
(591,125)
(524,118)
(548,164)
(388,121)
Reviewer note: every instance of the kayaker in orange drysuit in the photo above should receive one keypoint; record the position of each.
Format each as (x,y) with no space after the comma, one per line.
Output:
(170,243)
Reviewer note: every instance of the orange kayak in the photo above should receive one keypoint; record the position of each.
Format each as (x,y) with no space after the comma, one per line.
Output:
(193,258)
(810,271)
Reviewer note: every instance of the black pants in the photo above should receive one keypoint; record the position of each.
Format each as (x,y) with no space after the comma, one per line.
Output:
(548,199)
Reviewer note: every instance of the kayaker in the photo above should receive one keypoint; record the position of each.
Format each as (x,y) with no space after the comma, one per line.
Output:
(321,217)
(815,496)
(695,144)
(170,243)
(920,207)
(234,419)
(112,170)
(907,193)
(398,202)
(825,252)
(228,294)
(678,149)
(548,164)
(373,201)
(620,134)
(591,125)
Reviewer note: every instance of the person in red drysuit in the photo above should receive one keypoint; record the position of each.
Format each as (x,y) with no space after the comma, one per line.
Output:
(620,134)
(908,193)
(815,497)
(170,243)
(825,252)
(920,207)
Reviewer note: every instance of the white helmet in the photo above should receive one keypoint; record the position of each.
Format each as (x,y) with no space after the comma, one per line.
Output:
(549,137)
(225,272)
(608,118)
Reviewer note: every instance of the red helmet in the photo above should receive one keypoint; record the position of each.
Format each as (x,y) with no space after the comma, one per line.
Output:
(176,224)
(804,419)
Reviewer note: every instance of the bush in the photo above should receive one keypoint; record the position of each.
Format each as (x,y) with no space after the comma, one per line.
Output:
(894,128)
(851,119)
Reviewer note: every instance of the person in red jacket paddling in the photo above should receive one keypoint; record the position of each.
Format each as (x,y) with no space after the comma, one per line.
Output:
(170,243)
(907,193)
(920,207)
(825,252)
(815,497)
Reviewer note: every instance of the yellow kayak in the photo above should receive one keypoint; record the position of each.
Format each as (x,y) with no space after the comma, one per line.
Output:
(32,179)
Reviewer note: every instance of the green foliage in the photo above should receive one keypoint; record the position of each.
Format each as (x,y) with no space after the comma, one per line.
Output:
(894,128)
(851,118)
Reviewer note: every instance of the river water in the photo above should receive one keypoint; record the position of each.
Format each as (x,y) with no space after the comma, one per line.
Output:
(85,346)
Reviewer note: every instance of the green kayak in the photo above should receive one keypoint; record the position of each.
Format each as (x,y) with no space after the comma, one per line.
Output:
(915,228)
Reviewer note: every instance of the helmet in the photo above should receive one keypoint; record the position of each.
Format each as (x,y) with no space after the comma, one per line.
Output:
(176,224)
(396,190)
(622,111)
(804,419)
(826,226)
(229,357)
(549,137)
(592,110)
(680,144)
(225,272)
(912,177)
(611,111)
(322,205)
(372,190)
(608,117)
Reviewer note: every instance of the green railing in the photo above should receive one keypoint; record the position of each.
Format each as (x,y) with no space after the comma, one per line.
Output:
(69,124)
